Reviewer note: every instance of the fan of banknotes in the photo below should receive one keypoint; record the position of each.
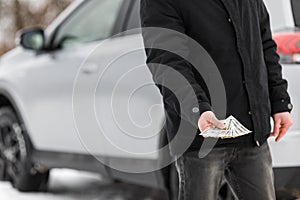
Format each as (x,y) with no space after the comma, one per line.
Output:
(233,129)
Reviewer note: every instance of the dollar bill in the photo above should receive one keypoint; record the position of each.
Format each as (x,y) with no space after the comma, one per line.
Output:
(233,129)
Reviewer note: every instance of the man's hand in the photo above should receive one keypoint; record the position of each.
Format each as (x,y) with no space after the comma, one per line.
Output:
(207,120)
(282,122)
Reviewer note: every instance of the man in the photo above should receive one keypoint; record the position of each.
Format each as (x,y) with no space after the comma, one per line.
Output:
(237,36)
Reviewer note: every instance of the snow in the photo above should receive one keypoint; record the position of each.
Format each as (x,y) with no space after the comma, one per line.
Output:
(73,185)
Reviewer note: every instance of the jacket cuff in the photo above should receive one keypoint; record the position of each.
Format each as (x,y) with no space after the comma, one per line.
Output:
(281,106)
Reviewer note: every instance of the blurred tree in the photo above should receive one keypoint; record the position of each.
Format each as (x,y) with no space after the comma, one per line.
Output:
(18,14)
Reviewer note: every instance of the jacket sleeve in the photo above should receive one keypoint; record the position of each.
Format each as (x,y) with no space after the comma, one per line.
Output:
(163,14)
(279,97)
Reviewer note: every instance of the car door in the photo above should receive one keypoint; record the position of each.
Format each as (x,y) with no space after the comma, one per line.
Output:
(49,79)
(129,105)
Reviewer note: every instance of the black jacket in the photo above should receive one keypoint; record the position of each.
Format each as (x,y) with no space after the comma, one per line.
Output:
(237,36)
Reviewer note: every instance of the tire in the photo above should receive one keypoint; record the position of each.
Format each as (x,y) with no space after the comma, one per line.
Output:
(15,155)
(3,174)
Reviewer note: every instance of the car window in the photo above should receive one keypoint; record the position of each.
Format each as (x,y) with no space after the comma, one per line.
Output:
(134,17)
(280,13)
(296,11)
(277,13)
(93,21)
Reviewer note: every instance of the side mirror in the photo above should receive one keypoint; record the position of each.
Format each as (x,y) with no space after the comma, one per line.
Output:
(32,38)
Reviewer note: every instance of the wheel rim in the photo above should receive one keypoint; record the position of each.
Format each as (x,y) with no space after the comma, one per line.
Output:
(12,148)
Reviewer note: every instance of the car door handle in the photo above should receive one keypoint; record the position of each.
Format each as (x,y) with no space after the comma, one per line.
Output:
(89,68)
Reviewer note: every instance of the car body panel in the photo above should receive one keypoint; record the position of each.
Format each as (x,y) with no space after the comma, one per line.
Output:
(118,94)
(285,152)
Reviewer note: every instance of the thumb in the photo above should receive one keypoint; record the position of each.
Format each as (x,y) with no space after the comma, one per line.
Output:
(217,123)
(276,128)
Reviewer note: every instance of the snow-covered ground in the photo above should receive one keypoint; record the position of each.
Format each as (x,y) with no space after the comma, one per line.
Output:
(74,185)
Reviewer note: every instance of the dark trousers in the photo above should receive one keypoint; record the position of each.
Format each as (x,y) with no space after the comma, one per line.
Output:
(247,170)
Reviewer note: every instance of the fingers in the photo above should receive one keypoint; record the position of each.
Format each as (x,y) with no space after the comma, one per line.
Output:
(204,127)
(282,132)
(207,120)
(217,123)
(282,122)
(276,130)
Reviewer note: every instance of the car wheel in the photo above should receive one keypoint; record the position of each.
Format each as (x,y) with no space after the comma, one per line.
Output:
(15,154)
(3,174)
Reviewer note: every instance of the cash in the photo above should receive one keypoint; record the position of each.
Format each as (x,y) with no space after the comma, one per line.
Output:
(233,129)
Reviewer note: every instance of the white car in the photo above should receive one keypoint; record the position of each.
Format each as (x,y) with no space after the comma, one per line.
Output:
(47,86)
(285,20)
(69,93)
